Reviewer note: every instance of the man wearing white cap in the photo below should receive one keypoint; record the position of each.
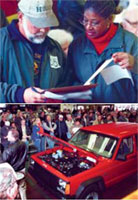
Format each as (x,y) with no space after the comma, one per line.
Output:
(62,128)
(29,60)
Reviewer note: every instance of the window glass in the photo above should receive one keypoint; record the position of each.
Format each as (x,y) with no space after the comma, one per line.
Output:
(98,143)
(126,146)
(136,136)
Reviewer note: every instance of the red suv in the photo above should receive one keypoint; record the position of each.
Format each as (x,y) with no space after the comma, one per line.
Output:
(95,158)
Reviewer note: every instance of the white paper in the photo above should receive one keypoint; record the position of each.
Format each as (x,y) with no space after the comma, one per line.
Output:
(98,71)
(115,73)
(74,95)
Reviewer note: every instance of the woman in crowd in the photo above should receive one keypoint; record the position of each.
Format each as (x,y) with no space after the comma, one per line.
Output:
(99,120)
(38,135)
(104,40)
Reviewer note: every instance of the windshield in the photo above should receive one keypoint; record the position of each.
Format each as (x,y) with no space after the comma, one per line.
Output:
(97,143)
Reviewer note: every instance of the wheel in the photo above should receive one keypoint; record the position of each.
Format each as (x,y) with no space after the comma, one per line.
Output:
(91,193)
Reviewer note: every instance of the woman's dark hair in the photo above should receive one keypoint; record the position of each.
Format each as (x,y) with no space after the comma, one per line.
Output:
(104,8)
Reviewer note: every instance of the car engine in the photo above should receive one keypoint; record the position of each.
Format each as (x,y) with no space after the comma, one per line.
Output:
(68,163)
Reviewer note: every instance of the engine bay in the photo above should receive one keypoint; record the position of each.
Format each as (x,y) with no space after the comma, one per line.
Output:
(68,163)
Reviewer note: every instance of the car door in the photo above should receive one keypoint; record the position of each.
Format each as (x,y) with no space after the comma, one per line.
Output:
(122,168)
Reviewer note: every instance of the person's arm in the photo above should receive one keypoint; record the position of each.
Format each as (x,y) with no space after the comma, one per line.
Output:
(46,127)
(6,156)
(125,60)
(12,93)
(129,58)
(54,126)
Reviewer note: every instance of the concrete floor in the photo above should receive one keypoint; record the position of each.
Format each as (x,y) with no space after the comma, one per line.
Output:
(126,189)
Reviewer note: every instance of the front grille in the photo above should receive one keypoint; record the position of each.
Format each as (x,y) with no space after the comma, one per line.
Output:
(45,177)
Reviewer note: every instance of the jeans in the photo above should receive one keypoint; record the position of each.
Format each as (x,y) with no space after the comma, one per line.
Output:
(43,143)
(50,141)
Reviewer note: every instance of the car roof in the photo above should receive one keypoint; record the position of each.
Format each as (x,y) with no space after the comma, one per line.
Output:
(118,129)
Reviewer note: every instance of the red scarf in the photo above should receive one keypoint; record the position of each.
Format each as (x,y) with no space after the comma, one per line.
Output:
(101,43)
(41,131)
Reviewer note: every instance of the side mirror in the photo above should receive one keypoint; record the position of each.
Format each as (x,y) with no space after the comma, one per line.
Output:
(121,157)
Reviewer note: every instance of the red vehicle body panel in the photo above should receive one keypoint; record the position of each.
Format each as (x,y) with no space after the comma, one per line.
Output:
(111,170)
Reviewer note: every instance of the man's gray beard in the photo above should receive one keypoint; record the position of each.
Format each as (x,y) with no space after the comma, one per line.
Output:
(31,37)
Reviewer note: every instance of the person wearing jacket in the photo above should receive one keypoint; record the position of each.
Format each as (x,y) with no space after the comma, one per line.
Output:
(15,155)
(69,14)
(28,57)
(49,126)
(3,134)
(24,132)
(38,135)
(62,129)
(103,40)
(3,20)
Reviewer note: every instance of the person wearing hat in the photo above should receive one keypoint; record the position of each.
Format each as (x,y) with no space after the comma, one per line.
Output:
(62,129)
(29,60)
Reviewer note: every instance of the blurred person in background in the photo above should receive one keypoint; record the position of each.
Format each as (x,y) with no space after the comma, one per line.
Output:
(62,129)
(130,20)
(49,127)
(69,14)
(4,132)
(99,120)
(70,123)
(37,136)
(91,117)
(24,132)
(109,119)
(85,119)
(77,125)
(122,117)
(63,37)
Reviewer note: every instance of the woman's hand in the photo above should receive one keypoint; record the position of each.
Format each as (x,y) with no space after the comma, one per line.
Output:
(125,60)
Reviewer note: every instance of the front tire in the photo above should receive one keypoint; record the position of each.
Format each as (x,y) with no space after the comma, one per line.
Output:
(91,192)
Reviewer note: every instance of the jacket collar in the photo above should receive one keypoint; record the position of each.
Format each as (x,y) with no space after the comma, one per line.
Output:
(13,31)
(116,42)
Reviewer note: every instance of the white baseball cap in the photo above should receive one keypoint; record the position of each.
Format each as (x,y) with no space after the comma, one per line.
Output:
(60,116)
(39,12)
(7,123)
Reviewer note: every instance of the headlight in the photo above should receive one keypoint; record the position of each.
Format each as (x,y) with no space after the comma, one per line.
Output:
(62,183)
(32,162)
(63,187)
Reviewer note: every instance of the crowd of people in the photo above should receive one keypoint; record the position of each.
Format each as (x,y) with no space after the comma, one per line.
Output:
(24,127)
(35,62)
(32,125)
